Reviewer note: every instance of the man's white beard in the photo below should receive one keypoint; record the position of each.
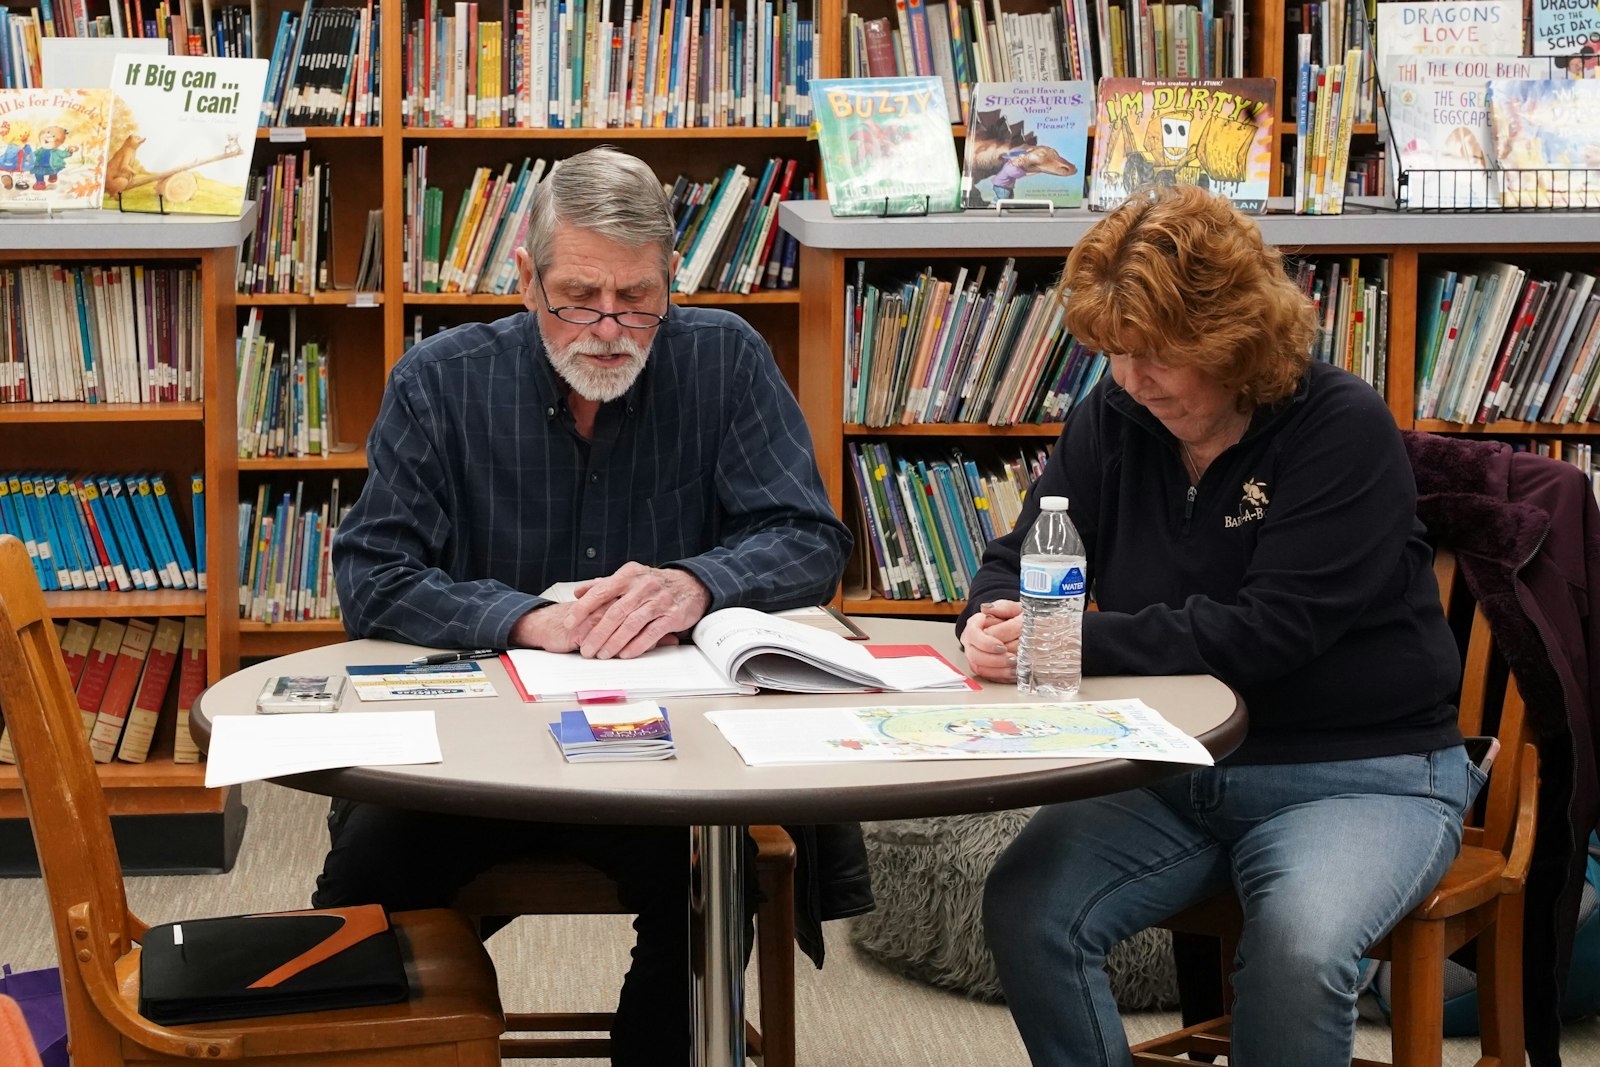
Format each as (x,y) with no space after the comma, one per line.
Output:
(590,380)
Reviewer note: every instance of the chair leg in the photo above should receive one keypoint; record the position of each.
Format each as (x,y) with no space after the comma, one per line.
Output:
(1417,997)
(775,965)
(1500,984)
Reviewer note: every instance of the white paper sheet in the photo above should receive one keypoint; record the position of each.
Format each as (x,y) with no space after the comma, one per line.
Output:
(246,748)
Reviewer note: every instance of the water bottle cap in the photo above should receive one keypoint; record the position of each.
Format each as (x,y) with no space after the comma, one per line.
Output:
(1053,503)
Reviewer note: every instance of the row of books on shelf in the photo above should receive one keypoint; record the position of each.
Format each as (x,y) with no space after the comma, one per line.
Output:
(122,673)
(284,399)
(323,70)
(1326,33)
(928,514)
(1325,118)
(104,531)
(961,349)
(1351,297)
(285,571)
(1580,454)
(491,222)
(963,44)
(1499,342)
(727,232)
(100,334)
(325,67)
(291,248)
(182,22)
(727,229)
(567,64)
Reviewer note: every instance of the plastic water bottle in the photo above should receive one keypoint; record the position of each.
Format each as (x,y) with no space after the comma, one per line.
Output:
(1055,582)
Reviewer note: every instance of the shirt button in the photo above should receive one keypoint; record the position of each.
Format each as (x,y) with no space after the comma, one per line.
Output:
(551,412)
(594,478)
(589,552)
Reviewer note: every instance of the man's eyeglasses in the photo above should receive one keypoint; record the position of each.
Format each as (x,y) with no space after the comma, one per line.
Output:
(582,316)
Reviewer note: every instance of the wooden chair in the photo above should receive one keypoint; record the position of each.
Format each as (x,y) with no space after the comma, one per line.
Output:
(1478,899)
(563,886)
(452,1018)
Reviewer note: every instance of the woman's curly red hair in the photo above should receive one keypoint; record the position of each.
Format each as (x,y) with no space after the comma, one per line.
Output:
(1180,275)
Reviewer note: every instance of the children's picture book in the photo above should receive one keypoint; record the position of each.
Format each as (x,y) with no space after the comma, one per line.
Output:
(1214,133)
(1547,141)
(1564,28)
(1449,27)
(887,147)
(420,681)
(52,148)
(182,130)
(1027,141)
(1439,124)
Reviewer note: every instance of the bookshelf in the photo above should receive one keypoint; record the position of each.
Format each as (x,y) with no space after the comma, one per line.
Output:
(831,247)
(368,332)
(162,814)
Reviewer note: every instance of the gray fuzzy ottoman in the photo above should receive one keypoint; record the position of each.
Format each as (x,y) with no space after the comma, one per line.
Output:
(927,875)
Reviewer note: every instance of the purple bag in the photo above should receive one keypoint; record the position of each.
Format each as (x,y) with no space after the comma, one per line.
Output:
(38,994)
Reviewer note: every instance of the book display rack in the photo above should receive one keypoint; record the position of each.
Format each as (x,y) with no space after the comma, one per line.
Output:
(163,816)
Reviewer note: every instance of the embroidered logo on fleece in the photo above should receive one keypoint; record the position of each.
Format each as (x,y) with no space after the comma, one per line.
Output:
(1253,503)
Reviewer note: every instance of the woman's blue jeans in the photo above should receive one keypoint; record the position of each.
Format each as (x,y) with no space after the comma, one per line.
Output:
(1325,857)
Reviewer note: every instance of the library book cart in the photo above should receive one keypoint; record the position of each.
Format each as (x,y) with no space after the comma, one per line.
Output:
(838,252)
(163,816)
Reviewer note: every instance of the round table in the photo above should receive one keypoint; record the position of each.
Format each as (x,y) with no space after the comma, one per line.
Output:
(500,761)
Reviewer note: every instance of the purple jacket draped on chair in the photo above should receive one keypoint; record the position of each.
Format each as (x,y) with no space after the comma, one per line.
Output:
(1526,532)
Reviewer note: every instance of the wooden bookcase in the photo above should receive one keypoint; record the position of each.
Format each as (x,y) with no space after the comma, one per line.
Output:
(162,813)
(368,332)
(830,247)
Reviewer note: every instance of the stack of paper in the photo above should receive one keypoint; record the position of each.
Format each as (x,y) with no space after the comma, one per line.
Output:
(636,731)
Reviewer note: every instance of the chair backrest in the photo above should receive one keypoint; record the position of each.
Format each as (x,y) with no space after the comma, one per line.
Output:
(66,807)
(1486,686)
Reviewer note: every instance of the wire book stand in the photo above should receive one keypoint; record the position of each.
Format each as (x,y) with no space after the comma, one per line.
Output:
(1492,188)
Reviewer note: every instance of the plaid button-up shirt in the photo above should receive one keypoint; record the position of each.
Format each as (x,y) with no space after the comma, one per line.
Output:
(480,491)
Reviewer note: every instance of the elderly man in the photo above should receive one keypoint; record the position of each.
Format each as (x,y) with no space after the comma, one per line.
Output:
(651,452)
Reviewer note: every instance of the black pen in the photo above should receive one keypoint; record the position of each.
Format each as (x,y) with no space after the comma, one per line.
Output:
(456,657)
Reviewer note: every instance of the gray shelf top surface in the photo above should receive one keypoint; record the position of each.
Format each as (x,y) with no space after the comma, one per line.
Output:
(813,225)
(89,231)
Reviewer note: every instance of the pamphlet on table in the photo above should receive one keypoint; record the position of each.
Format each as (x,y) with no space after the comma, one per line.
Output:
(613,732)
(735,651)
(1099,729)
(420,681)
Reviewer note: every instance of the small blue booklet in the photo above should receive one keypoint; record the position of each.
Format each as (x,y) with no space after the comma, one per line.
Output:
(635,731)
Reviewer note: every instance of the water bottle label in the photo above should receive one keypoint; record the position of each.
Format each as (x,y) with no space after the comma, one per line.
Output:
(1059,581)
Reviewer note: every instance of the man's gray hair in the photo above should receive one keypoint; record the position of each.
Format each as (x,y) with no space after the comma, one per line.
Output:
(606,192)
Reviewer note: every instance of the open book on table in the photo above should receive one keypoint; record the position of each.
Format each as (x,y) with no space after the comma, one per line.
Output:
(736,651)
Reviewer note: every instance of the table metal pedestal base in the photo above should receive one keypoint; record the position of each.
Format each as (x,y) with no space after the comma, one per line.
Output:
(716,944)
